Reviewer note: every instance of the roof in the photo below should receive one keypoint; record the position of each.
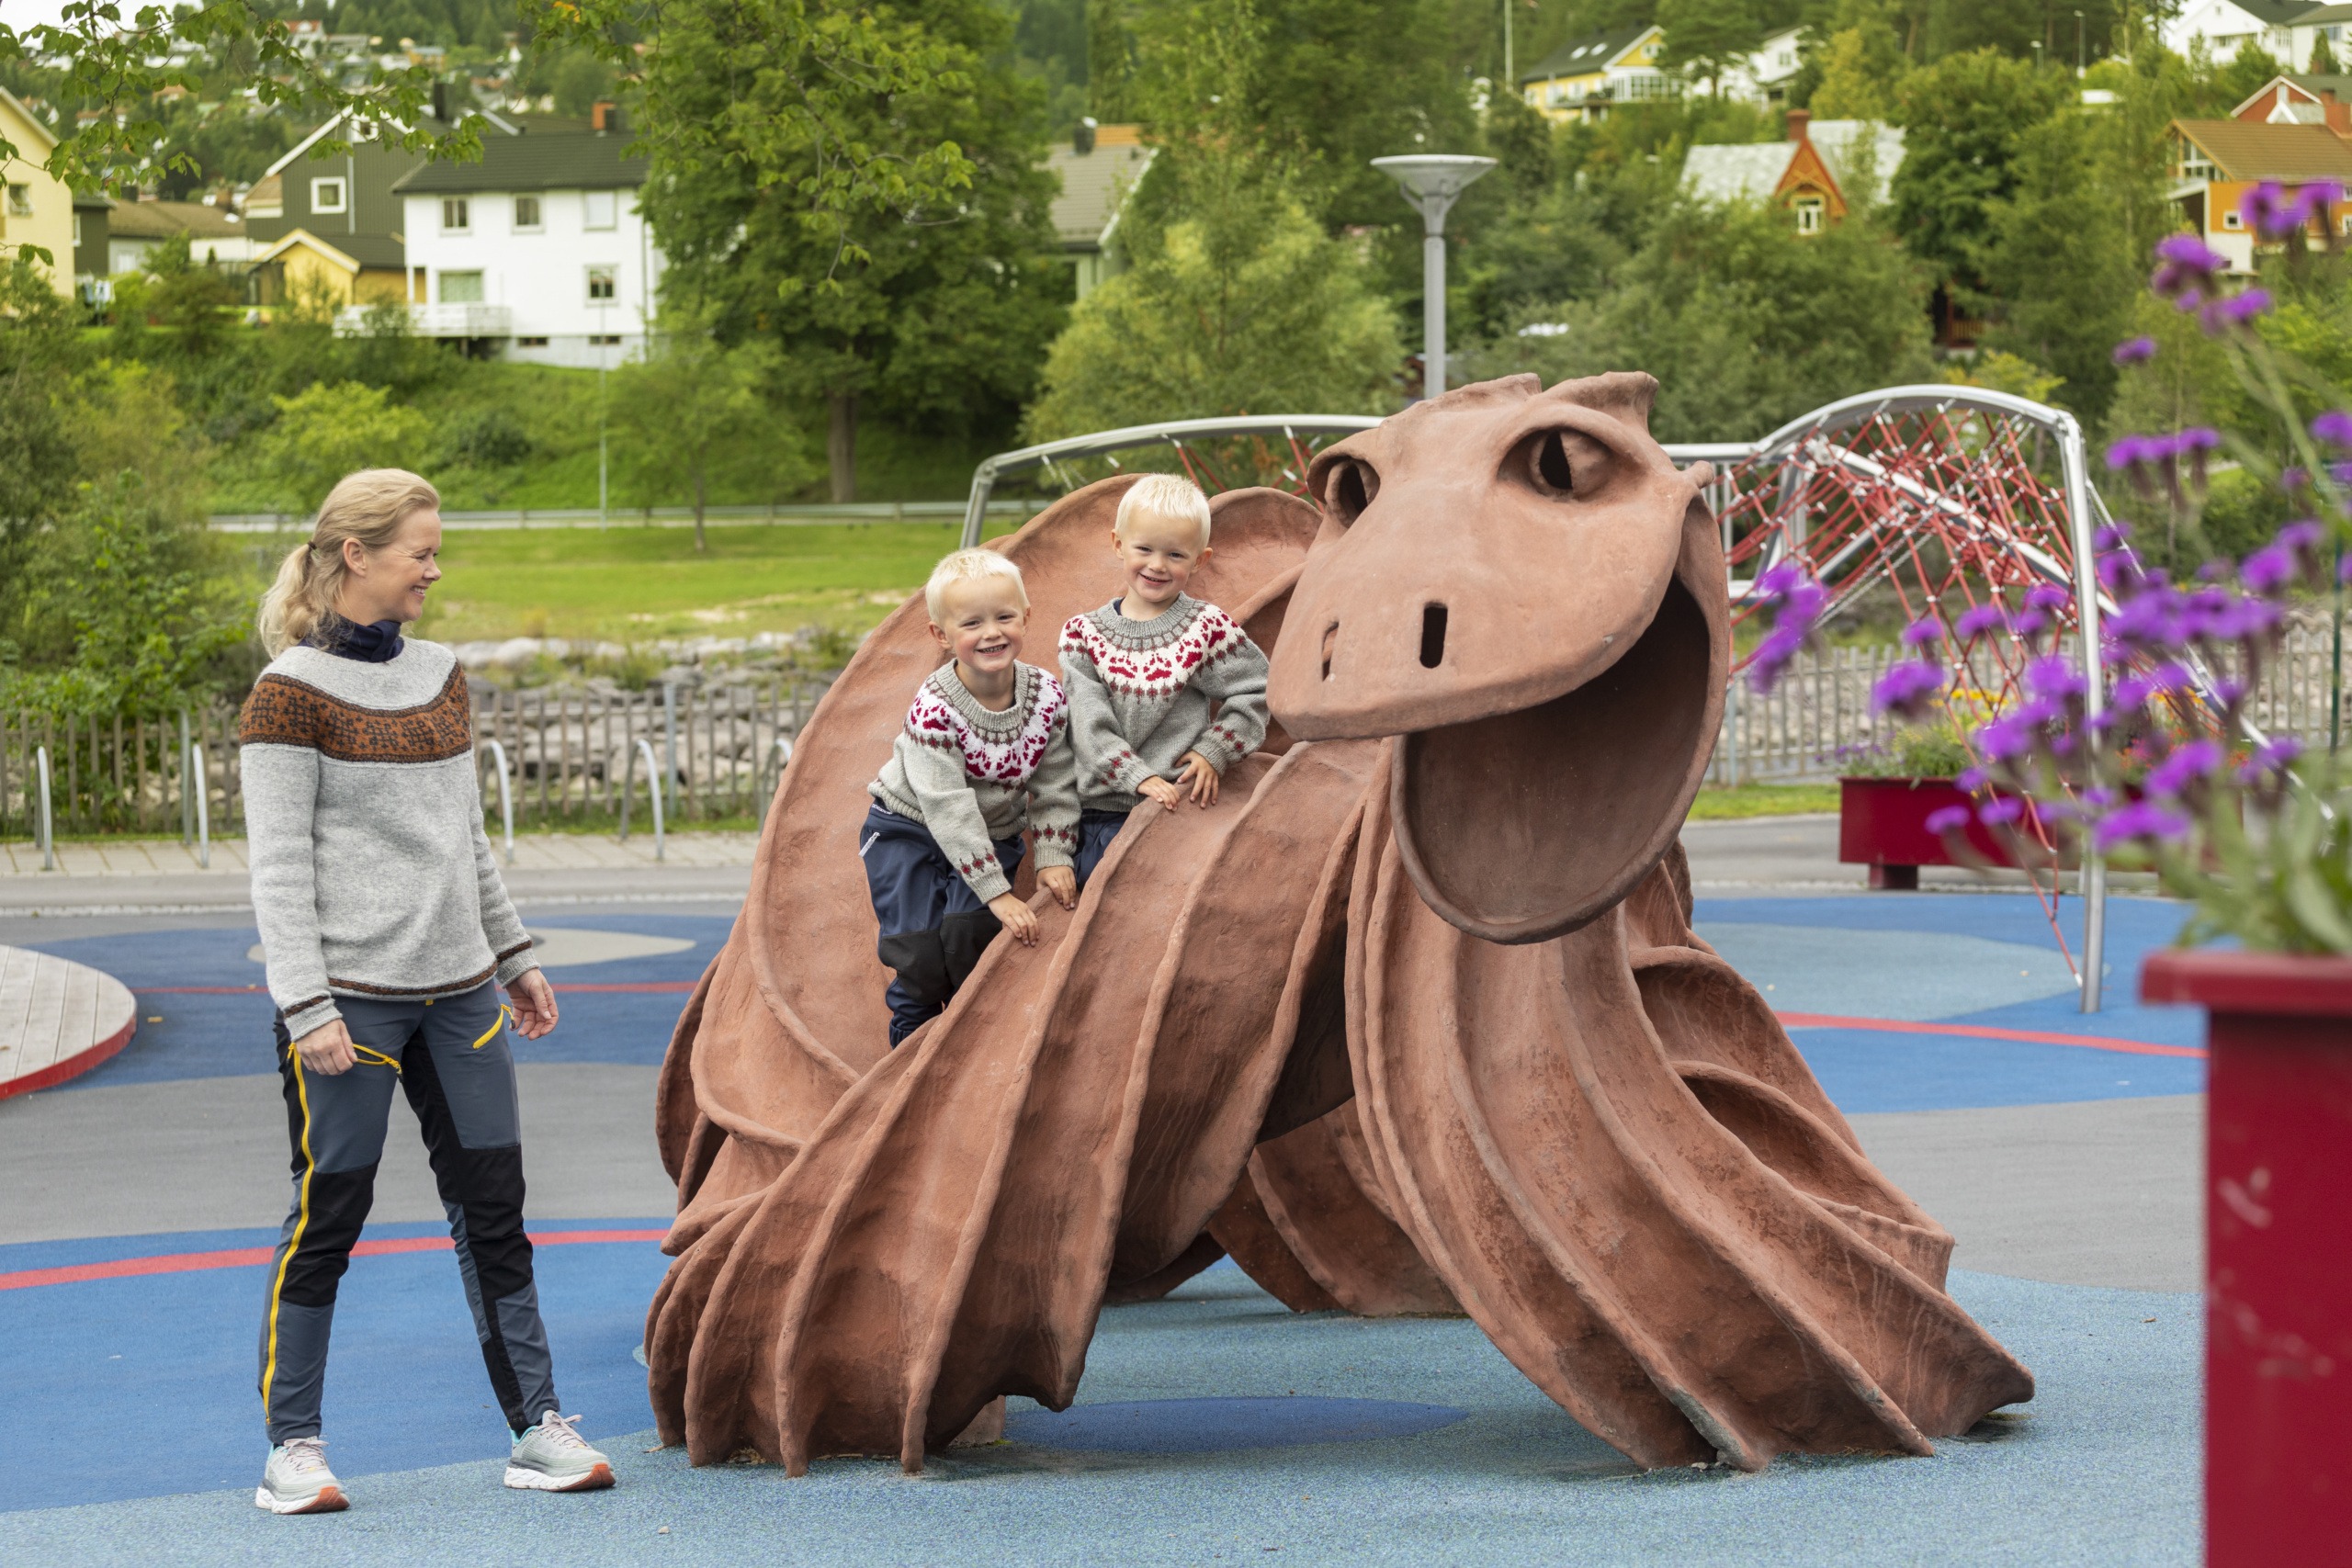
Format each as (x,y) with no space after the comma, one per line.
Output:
(302,239)
(1586,56)
(39,129)
(1095,184)
(2248,150)
(552,160)
(92,201)
(161,219)
(2337,87)
(1752,171)
(301,149)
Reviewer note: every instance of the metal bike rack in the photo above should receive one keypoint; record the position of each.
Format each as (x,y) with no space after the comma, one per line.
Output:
(781,755)
(203,805)
(47,829)
(654,790)
(505,797)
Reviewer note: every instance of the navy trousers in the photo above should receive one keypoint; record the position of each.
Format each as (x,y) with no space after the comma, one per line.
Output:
(1095,831)
(449,1057)
(934,927)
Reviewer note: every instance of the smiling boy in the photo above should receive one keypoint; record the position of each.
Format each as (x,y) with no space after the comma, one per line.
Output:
(984,752)
(1165,691)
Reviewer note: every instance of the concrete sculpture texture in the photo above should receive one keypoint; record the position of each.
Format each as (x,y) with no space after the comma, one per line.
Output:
(1411,1020)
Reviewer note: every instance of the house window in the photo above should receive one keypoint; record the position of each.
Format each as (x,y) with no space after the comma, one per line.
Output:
(329,196)
(527,214)
(604,340)
(2194,164)
(530,343)
(603,285)
(455,218)
(461,289)
(604,209)
(20,201)
(1809,212)
(2233,218)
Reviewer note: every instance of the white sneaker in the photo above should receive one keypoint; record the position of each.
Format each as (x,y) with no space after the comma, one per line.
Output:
(553,1456)
(297,1480)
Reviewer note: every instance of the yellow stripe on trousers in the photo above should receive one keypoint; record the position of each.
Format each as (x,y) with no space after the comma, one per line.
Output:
(302,1223)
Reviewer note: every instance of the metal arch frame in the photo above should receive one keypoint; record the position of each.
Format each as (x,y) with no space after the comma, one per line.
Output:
(1789,441)
(1168,433)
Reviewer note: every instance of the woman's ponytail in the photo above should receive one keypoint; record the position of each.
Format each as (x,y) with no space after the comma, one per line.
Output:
(369,506)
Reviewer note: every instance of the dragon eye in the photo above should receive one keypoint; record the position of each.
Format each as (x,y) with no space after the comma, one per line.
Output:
(1565,464)
(1349,487)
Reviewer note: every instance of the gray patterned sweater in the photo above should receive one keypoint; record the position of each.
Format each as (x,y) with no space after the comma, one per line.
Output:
(371,874)
(1141,695)
(972,775)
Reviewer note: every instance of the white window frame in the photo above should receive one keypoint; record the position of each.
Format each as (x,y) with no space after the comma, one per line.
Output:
(538,222)
(441,286)
(1813,214)
(588,200)
(320,206)
(611,273)
(21,199)
(2232,219)
(462,209)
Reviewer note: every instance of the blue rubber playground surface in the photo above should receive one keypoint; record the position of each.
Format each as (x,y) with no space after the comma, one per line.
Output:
(1212,1427)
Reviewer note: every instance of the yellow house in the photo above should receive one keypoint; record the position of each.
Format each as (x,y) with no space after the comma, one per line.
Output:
(37,209)
(1583,77)
(351,269)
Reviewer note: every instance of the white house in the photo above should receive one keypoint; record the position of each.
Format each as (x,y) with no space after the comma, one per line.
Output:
(537,253)
(1763,76)
(2286,30)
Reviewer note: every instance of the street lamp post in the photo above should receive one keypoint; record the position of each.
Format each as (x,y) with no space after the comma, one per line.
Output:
(1432,181)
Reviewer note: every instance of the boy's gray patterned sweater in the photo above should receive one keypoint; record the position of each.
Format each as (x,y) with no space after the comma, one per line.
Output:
(1140,696)
(973,776)
(371,874)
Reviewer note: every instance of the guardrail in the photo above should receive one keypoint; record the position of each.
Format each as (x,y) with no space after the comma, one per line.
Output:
(652,793)
(47,829)
(672,515)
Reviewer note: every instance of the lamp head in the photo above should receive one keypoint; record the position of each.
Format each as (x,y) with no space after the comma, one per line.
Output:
(1433,180)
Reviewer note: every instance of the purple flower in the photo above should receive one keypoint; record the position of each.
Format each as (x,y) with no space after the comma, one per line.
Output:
(1797,602)
(2006,738)
(1919,634)
(2131,451)
(2334,425)
(2111,536)
(1948,819)
(1971,779)
(2186,266)
(2269,213)
(2270,757)
(1909,689)
(2005,809)
(2133,351)
(2052,679)
(2236,310)
(2319,195)
(2047,596)
(2142,820)
(2291,479)
(2185,766)
(1984,618)
(2268,569)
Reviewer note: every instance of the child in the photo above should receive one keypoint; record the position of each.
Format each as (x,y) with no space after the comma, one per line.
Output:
(985,753)
(1143,670)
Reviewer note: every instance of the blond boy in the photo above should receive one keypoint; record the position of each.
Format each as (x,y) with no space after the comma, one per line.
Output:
(1166,692)
(984,754)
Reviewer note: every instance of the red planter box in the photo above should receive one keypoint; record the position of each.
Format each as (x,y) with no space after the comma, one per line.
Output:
(2278,1250)
(1882,824)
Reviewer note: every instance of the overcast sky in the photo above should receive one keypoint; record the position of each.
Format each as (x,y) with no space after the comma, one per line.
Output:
(30,12)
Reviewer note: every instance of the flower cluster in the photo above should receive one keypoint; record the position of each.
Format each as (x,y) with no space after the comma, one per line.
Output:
(1796,603)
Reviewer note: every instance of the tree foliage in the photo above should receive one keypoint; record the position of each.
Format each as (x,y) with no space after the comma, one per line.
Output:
(692,404)
(329,430)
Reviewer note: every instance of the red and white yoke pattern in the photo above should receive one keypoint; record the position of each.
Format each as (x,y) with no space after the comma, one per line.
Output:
(1144,693)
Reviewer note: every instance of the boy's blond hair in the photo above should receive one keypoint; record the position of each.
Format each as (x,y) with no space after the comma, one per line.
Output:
(968,565)
(1172,496)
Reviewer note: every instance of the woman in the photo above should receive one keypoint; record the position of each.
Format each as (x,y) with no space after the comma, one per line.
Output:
(387,934)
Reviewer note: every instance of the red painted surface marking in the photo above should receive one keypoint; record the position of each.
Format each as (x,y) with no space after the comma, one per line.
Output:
(1983,1032)
(255,1257)
(72,1066)
(640,986)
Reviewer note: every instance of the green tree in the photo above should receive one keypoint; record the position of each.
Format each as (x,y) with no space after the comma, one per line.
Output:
(1964,118)
(38,353)
(693,403)
(2323,60)
(1744,323)
(1704,35)
(329,429)
(935,294)
(1248,308)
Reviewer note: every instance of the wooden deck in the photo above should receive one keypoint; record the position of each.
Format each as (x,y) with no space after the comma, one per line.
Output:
(58,1019)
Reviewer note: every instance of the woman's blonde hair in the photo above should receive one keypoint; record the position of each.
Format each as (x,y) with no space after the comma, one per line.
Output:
(369,506)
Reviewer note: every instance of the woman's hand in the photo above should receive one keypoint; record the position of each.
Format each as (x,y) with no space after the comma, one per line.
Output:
(326,1050)
(533,1000)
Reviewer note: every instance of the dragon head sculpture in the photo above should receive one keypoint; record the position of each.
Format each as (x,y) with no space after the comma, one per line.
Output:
(1521,583)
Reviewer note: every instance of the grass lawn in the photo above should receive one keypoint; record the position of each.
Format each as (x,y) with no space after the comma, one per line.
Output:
(1763,800)
(634,584)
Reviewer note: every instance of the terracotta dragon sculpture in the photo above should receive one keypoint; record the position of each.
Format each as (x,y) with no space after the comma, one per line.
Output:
(1412,1020)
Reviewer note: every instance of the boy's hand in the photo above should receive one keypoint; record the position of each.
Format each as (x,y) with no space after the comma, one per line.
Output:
(326,1050)
(1197,774)
(1061,882)
(1018,920)
(1160,790)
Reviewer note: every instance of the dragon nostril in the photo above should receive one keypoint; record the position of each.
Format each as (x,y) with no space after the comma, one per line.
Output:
(1330,635)
(1433,635)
